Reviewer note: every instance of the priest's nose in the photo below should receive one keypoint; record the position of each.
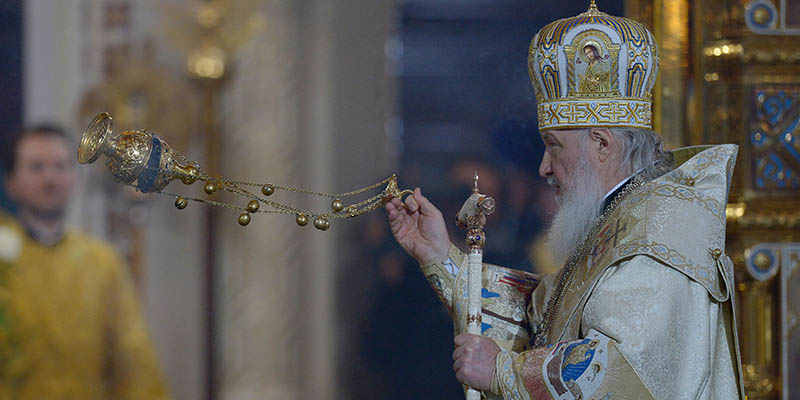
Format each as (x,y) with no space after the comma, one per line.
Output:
(545,169)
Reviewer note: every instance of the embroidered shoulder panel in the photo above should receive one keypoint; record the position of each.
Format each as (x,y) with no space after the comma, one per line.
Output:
(678,219)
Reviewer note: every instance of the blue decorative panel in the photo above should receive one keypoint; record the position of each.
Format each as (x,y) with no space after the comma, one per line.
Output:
(774,138)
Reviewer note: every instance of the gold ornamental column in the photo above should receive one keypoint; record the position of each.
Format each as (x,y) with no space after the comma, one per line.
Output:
(668,20)
(736,79)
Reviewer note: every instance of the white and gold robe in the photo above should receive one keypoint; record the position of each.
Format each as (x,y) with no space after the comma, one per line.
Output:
(648,315)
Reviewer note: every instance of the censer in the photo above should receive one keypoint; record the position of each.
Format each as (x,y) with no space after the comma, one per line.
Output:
(145,161)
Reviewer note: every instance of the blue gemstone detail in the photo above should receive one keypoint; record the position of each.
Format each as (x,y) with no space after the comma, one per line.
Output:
(769,256)
(752,14)
(150,171)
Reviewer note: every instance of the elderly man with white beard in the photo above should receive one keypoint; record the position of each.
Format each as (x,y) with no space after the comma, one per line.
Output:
(643,305)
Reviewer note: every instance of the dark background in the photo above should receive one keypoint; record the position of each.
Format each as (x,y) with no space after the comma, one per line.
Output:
(11,99)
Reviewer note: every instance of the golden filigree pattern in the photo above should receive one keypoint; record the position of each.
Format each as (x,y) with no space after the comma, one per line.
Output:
(680,192)
(593,70)
(598,112)
(131,152)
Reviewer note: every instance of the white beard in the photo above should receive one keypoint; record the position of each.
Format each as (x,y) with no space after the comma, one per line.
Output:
(579,207)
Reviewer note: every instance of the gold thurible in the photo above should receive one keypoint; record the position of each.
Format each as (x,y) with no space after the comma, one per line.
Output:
(321,223)
(337,205)
(145,161)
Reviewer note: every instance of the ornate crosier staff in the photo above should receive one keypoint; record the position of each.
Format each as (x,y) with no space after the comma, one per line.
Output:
(472,216)
(143,160)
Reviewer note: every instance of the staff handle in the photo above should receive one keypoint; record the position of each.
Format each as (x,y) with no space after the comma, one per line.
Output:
(473,217)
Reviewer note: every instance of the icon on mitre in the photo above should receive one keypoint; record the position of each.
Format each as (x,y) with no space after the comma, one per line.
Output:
(596,76)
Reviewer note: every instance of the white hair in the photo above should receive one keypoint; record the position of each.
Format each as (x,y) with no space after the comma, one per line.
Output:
(581,202)
(578,208)
(642,148)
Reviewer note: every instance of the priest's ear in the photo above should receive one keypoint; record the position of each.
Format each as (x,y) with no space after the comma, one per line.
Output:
(603,142)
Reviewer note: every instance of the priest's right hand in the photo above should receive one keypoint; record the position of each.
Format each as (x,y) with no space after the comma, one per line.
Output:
(418,226)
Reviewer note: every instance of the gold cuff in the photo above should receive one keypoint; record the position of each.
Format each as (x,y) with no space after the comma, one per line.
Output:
(456,255)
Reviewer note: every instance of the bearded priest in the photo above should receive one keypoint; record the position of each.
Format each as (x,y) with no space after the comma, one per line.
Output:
(643,305)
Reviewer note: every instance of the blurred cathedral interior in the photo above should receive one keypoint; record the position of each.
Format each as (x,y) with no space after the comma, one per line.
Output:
(333,95)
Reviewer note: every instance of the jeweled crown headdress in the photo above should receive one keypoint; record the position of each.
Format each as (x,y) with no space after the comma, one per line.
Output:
(593,69)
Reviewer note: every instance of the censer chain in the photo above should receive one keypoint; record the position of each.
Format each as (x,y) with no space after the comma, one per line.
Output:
(274,207)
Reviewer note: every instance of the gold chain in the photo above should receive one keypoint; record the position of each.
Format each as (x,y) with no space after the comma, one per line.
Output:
(172,165)
(203,176)
(314,193)
(321,219)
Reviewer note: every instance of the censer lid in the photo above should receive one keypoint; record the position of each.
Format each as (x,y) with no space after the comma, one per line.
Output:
(94,137)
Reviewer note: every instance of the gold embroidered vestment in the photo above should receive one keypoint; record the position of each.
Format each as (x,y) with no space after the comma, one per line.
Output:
(648,313)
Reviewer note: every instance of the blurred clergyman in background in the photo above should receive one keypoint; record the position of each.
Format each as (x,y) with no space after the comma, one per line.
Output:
(70,324)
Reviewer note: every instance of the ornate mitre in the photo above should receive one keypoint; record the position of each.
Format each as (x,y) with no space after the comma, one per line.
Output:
(593,69)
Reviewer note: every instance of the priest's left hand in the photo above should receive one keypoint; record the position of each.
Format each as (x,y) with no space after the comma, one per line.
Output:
(474,360)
